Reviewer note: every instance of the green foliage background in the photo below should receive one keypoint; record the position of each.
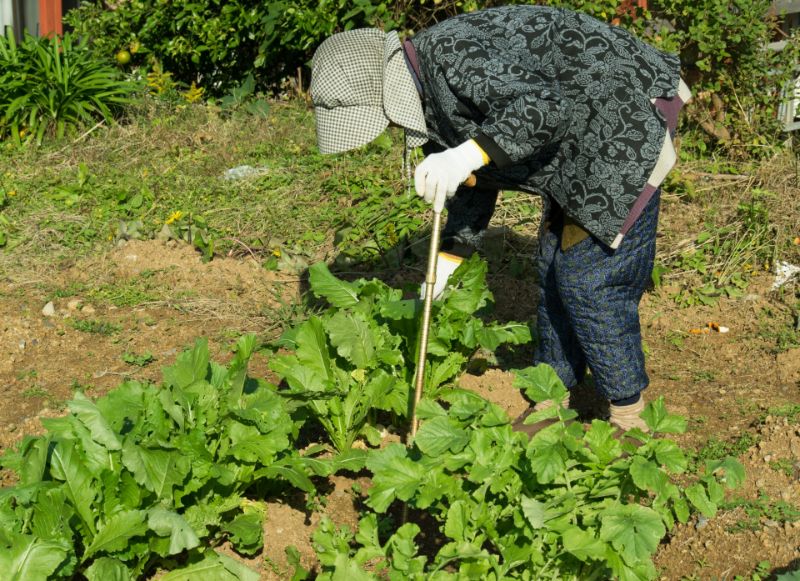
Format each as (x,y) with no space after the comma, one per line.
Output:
(218,44)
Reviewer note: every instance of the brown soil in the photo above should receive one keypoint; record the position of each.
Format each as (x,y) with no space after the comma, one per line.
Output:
(723,383)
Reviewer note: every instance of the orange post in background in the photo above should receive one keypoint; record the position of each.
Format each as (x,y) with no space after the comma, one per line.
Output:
(50,17)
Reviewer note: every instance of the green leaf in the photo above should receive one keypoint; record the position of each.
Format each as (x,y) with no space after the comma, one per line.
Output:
(670,456)
(647,476)
(250,445)
(467,287)
(659,420)
(214,567)
(398,310)
(633,530)
(26,558)
(346,569)
(601,442)
(337,292)
(312,348)
(51,515)
(728,471)
(440,435)
(428,409)
(113,535)
(491,337)
(159,471)
(300,378)
(124,403)
(32,465)
(66,465)
(108,569)
(681,508)
(88,413)
(698,496)
(547,456)
(583,544)
(457,520)
(534,511)
(190,366)
(395,476)
(291,470)
(245,532)
(540,383)
(440,372)
(353,338)
(165,522)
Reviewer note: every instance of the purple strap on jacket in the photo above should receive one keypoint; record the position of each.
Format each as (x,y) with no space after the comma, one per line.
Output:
(411,60)
(669,109)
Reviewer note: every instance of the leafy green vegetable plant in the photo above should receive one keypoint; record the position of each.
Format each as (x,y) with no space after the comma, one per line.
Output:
(137,479)
(360,354)
(573,502)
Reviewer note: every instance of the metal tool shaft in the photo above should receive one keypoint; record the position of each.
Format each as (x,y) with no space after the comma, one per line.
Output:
(430,281)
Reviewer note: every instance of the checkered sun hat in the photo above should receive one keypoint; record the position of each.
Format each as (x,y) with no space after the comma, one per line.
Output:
(359,83)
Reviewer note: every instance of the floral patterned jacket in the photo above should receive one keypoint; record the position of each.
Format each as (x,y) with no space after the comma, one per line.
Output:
(561,103)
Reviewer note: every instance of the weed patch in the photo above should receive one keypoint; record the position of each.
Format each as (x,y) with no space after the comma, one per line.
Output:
(95,326)
(762,509)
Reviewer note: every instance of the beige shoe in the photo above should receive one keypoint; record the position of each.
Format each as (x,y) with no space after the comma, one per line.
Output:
(519,424)
(627,417)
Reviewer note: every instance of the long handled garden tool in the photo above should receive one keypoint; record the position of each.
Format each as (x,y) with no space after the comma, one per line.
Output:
(430,281)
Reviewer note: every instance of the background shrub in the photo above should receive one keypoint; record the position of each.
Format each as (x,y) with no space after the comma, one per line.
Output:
(737,82)
(216,43)
(48,86)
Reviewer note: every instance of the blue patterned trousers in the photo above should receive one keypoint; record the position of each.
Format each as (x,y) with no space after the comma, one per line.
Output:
(588,313)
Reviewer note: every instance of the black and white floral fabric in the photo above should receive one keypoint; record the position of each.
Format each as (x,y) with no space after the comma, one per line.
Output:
(561,102)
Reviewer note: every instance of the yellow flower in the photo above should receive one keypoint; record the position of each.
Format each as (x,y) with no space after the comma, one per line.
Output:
(276,253)
(194,94)
(12,193)
(175,216)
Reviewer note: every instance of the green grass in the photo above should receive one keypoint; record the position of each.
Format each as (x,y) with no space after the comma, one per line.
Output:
(95,326)
(760,509)
(142,360)
(715,449)
(129,181)
(37,391)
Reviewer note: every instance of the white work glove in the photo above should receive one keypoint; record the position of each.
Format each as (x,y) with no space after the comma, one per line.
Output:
(440,174)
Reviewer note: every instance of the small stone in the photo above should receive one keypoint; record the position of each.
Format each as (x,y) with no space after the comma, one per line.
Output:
(723,391)
(708,544)
(768,458)
(74,305)
(701,522)
(22,345)
(12,427)
(49,309)
(88,310)
(760,482)
(771,523)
